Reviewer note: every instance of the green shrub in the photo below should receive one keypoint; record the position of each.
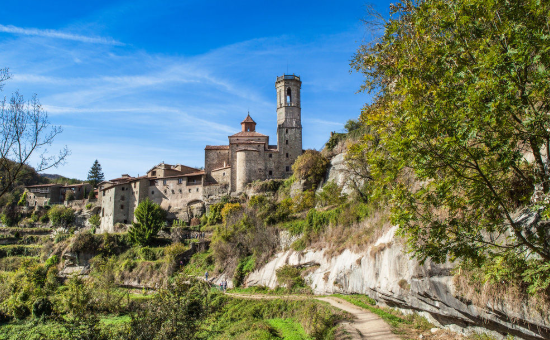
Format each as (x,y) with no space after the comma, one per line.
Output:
(230,209)
(42,307)
(69,195)
(34,217)
(310,166)
(215,213)
(61,216)
(52,261)
(150,219)
(23,200)
(95,220)
(89,206)
(44,218)
(331,194)
(290,276)
(244,267)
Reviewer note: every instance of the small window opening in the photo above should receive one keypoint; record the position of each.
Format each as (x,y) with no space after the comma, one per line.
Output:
(287,168)
(287,155)
(152,192)
(223,174)
(125,221)
(180,180)
(122,206)
(102,212)
(197,189)
(173,191)
(288,96)
(189,190)
(164,182)
(286,142)
(134,185)
(270,155)
(154,173)
(286,131)
(122,198)
(165,191)
(270,173)
(180,191)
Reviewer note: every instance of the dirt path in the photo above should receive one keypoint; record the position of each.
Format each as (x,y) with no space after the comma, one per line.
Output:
(366,326)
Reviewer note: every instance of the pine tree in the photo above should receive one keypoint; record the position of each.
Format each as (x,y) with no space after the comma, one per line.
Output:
(95,175)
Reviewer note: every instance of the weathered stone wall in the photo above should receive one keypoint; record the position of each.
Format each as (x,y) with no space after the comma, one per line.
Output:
(250,166)
(215,159)
(222,176)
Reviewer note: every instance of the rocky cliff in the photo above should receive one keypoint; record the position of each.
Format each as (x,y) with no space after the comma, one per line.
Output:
(386,273)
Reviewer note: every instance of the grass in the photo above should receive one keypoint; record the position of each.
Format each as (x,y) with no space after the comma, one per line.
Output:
(289,329)
(112,320)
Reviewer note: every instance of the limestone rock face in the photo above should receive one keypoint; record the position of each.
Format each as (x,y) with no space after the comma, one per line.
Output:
(386,273)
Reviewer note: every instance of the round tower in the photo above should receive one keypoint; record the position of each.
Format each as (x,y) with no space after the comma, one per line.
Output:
(248,161)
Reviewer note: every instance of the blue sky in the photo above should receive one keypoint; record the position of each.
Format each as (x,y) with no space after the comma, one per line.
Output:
(134,83)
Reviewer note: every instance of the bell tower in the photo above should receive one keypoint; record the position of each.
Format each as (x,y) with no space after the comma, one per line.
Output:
(289,121)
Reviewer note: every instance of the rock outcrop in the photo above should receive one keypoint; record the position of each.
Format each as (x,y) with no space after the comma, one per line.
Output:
(386,273)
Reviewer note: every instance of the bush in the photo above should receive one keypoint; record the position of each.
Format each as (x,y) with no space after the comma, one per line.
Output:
(95,220)
(44,218)
(230,209)
(304,201)
(61,215)
(23,200)
(310,166)
(215,213)
(331,195)
(89,206)
(69,195)
(10,217)
(84,242)
(42,307)
(244,267)
(290,277)
(91,196)
(52,261)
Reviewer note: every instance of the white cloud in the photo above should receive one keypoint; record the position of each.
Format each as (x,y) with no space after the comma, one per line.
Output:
(58,35)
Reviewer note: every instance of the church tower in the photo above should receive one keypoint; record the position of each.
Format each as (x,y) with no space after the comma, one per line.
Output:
(289,121)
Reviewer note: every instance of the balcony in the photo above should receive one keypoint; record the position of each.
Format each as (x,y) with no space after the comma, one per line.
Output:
(289,77)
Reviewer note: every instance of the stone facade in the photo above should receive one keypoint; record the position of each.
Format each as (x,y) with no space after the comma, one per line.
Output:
(45,194)
(184,191)
(249,157)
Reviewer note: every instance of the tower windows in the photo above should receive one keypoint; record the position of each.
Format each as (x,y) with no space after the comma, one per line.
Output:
(288,96)
(270,155)
(287,168)
(270,173)
(286,142)
(287,155)
(286,131)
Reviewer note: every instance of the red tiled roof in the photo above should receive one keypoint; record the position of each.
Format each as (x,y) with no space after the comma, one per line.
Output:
(248,134)
(217,147)
(248,119)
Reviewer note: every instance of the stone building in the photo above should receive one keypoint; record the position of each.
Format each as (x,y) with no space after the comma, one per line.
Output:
(176,188)
(45,194)
(249,156)
(183,190)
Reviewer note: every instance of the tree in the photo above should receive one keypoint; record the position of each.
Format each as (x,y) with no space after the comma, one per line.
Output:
(69,195)
(150,219)
(23,200)
(310,166)
(95,175)
(461,110)
(26,131)
(92,194)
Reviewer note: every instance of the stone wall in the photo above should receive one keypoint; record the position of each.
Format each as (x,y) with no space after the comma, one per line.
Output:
(215,159)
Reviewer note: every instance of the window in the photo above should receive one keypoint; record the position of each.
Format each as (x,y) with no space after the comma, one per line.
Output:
(173,191)
(270,155)
(287,155)
(223,174)
(125,221)
(122,198)
(287,168)
(286,142)
(122,188)
(122,206)
(152,192)
(154,173)
(190,190)
(134,185)
(156,182)
(180,180)
(180,191)
(197,189)
(102,212)
(165,191)
(286,131)
(288,96)
(270,173)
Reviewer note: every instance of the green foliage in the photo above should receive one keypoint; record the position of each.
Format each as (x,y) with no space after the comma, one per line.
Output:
(10,216)
(95,220)
(42,307)
(89,206)
(44,218)
(245,266)
(69,195)
(95,175)
(60,215)
(52,261)
(462,90)
(310,166)
(290,276)
(331,194)
(23,200)
(150,219)
(91,195)
(304,201)
(230,209)
(215,213)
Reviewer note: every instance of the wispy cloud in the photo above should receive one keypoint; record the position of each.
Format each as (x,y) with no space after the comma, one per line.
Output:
(59,35)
